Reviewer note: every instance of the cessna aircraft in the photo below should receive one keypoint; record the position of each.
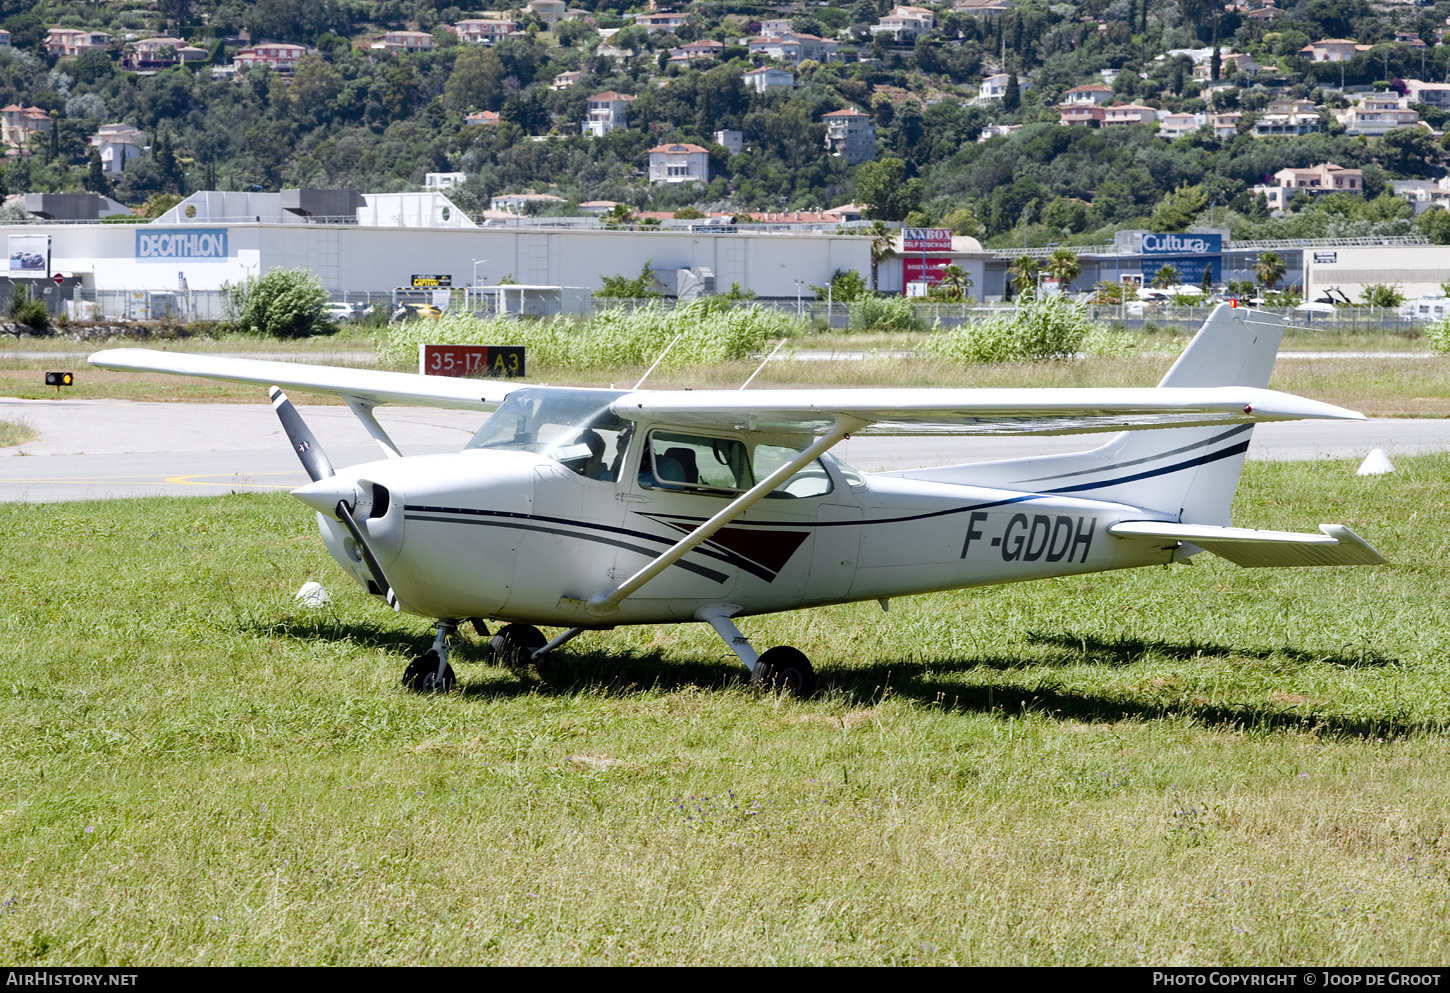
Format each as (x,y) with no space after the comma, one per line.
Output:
(584,509)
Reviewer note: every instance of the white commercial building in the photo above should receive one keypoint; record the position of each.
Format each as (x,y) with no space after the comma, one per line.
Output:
(214,240)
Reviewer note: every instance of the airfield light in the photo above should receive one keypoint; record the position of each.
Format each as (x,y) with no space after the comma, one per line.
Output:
(59,379)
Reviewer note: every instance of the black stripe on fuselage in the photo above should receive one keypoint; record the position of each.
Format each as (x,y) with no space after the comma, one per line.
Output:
(699,570)
(1117,466)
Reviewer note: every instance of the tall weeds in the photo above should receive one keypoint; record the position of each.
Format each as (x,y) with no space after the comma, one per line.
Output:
(610,338)
(1046,328)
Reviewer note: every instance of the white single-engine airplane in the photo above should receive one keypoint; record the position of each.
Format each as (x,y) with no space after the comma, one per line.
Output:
(587,508)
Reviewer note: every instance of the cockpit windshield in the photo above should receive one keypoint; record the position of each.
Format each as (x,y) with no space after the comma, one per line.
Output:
(574,427)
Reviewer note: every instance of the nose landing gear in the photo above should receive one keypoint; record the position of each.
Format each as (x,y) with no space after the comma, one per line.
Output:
(430,672)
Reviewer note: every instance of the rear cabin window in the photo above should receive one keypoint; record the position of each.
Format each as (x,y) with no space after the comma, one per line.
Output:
(675,461)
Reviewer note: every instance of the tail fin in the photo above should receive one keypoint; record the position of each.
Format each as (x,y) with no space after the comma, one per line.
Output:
(1189,473)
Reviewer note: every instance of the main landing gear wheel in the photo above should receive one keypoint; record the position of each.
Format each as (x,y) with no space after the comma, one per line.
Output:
(785,668)
(514,645)
(421,676)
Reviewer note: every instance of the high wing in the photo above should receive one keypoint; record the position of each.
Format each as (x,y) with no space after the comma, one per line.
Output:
(368,385)
(976,412)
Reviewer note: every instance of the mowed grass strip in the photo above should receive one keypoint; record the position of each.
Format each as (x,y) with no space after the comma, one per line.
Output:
(1196,764)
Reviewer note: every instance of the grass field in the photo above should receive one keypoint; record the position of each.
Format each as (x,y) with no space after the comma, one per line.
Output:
(1187,765)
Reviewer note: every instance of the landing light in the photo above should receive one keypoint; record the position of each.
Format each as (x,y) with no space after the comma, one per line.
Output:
(59,379)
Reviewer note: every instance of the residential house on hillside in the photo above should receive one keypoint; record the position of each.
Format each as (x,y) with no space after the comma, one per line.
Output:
(851,134)
(551,12)
(1262,15)
(4,39)
(62,42)
(440,181)
(659,22)
(1229,64)
(280,56)
(406,41)
(1434,94)
(1292,117)
(484,31)
(1172,126)
(1129,113)
(1315,181)
(705,48)
(795,48)
(1374,115)
(1080,114)
(1091,93)
(606,112)
(1332,50)
(18,125)
(775,28)
(481,117)
(116,144)
(518,203)
(997,131)
(157,53)
(905,23)
(1409,38)
(994,86)
(731,141)
(1225,125)
(565,80)
(679,163)
(768,78)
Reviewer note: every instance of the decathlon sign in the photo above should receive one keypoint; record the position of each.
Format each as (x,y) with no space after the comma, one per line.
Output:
(1182,244)
(192,245)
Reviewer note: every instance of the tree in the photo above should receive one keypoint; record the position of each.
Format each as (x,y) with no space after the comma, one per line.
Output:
(1382,295)
(1435,225)
(955,283)
(281,303)
(1012,95)
(96,180)
(1024,270)
(1165,277)
(1179,209)
(845,286)
(639,288)
(1064,266)
(883,247)
(884,188)
(1270,269)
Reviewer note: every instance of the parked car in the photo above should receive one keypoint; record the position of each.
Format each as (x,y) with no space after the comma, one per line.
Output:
(342,313)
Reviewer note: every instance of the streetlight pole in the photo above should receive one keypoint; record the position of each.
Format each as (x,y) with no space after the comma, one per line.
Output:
(798,310)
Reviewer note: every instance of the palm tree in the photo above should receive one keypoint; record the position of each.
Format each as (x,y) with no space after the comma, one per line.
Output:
(955,282)
(1024,270)
(1165,277)
(1064,266)
(1270,269)
(883,247)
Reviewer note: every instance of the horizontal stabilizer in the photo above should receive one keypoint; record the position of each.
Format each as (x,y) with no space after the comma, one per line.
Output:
(1338,545)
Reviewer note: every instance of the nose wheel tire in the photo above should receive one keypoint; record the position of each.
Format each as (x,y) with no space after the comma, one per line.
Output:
(514,645)
(785,668)
(421,676)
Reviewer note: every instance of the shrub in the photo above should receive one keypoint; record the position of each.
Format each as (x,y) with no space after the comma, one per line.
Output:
(28,310)
(1437,335)
(884,314)
(282,303)
(609,339)
(1047,328)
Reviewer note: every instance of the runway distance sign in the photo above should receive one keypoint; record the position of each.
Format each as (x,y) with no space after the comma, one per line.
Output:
(471,360)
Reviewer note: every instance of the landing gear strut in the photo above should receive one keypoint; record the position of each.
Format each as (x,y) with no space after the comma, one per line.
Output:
(781,668)
(430,672)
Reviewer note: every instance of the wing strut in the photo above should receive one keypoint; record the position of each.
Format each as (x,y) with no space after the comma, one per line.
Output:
(363,409)
(606,603)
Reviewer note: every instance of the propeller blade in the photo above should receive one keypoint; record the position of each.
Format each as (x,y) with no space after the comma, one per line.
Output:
(303,443)
(344,514)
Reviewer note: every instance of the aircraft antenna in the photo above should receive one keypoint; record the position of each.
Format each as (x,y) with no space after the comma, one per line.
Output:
(762,365)
(660,359)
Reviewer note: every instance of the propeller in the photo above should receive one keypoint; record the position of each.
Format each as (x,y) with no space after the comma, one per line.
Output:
(315,461)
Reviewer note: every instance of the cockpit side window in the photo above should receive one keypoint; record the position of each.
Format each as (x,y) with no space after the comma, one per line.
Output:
(576,428)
